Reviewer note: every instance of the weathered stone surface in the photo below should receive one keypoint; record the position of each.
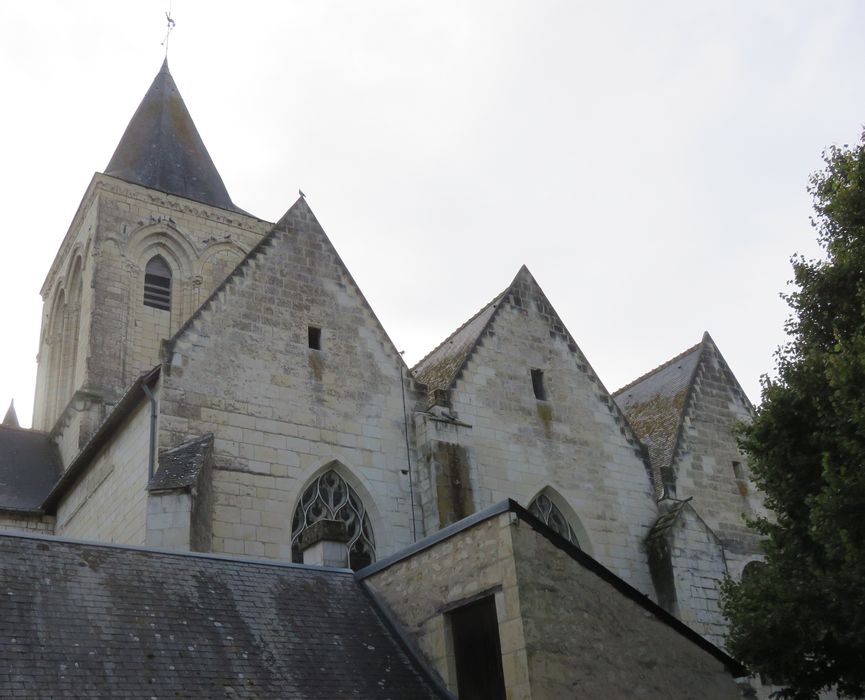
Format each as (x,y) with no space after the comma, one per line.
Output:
(565,630)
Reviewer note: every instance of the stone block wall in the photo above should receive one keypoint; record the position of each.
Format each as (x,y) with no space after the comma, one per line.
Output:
(109,501)
(118,228)
(479,561)
(575,442)
(708,465)
(168,520)
(15,521)
(282,412)
(585,639)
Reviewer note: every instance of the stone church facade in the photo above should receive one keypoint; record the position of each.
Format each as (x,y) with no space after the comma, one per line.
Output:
(213,382)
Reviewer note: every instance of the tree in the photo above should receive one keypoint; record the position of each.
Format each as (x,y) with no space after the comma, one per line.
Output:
(800,619)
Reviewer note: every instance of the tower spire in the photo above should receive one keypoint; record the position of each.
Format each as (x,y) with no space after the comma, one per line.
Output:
(161,148)
(11,418)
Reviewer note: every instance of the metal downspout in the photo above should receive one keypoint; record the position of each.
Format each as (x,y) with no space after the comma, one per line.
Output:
(151,460)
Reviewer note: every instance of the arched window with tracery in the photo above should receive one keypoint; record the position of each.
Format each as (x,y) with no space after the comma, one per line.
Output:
(329,497)
(548,513)
(157,284)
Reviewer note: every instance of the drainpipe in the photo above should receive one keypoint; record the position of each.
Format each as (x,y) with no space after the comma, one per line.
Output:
(151,460)
(407,452)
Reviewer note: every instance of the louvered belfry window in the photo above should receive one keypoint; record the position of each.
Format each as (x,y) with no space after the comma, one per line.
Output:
(157,284)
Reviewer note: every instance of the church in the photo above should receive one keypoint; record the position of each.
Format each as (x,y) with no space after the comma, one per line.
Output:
(216,402)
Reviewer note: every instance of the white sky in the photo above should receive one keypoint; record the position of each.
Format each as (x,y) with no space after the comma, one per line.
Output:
(646,160)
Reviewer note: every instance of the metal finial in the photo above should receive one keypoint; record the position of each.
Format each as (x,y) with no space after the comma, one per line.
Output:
(169,27)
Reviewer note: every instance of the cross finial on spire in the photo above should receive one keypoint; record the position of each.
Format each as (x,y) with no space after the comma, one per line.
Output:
(169,27)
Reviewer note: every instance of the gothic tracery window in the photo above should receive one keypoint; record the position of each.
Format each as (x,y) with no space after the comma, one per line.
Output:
(157,284)
(329,497)
(547,512)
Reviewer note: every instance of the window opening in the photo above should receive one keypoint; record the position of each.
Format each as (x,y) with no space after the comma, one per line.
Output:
(538,385)
(314,334)
(157,284)
(737,470)
(548,513)
(477,651)
(329,497)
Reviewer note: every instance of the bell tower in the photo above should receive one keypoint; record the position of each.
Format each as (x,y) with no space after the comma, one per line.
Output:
(153,236)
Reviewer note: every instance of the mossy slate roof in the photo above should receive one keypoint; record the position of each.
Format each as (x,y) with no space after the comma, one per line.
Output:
(161,148)
(654,405)
(88,620)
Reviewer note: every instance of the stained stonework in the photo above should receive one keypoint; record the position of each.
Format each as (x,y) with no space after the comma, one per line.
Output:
(574,442)
(565,630)
(282,412)
(453,482)
(97,333)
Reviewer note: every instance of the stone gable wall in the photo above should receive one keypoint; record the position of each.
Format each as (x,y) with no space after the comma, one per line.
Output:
(703,464)
(585,639)
(280,412)
(574,442)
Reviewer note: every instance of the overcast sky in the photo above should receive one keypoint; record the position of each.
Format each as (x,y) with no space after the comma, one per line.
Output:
(648,161)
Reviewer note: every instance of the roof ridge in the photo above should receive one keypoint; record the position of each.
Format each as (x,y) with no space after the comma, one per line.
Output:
(218,556)
(657,369)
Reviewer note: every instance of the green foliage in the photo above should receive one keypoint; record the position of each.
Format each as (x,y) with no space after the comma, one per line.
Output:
(801,618)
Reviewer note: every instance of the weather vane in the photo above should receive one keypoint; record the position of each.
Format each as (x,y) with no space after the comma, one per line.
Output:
(170,26)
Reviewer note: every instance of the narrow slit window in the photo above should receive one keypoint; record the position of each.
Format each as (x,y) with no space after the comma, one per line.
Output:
(157,284)
(314,334)
(538,384)
(737,470)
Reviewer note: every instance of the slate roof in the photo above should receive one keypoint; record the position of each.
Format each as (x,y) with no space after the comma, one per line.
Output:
(442,365)
(161,148)
(180,466)
(654,405)
(11,418)
(29,468)
(80,619)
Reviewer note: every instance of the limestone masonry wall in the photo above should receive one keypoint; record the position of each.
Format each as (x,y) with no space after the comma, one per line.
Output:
(709,467)
(584,639)
(10,521)
(421,588)
(574,442)
(282,412)
(108,503)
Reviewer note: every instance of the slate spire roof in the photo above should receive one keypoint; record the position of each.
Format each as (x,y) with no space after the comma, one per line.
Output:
(161,148)
(11,418)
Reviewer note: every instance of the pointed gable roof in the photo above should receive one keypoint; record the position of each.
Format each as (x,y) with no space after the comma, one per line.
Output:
(656,403)
(161,149)
(11,419)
